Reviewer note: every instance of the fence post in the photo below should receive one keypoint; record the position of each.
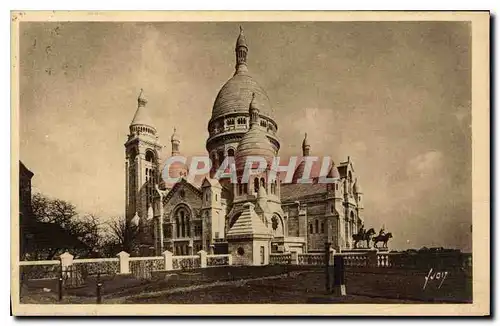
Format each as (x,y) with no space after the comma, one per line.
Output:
(332,255)
(124,262)
(372,258)
(339,276)
(66,263)
(167,255)
(203,258)
(60,283)
(327,266)
(98,289)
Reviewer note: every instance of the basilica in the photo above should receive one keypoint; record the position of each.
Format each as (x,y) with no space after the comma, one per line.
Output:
(248,220)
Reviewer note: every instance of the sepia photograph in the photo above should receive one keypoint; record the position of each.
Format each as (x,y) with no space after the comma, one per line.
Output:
(301,163)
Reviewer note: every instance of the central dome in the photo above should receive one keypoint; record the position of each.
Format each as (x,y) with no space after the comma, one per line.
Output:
(236,94)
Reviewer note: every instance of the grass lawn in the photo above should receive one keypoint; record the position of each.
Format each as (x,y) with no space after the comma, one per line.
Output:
(298,288)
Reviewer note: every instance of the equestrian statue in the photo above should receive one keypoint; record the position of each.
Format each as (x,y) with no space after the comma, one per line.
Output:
(363,235)
(382,237)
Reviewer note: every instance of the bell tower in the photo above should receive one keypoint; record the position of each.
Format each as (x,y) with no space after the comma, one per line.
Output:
(142,171)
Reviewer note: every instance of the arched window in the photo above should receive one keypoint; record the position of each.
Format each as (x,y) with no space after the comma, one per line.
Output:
(183,224)
(262,182)
(230,152)
(317,226)
(272,188)
(245,188)
(188,227)
(346,228)
(256,185)
(150,156)
(275,186)
(178,227)
(322,227)
(310,228)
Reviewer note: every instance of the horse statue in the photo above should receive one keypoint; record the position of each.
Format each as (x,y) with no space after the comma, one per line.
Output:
(384,238)
(363,236)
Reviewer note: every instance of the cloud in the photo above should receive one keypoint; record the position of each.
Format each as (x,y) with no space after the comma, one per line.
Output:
(426,164)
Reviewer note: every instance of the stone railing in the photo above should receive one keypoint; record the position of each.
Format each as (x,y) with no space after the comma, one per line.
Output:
(311,259)
(280,258)
(356,260)
(219,260)
(383,260)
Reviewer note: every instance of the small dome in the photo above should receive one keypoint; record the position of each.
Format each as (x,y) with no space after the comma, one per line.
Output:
(141,116)
(253,143)
(236,95)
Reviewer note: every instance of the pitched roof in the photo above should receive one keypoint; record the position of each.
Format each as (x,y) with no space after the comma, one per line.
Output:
(294,191)
(248,224)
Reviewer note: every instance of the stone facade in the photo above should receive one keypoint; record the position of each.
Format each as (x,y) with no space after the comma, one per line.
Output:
(247,220)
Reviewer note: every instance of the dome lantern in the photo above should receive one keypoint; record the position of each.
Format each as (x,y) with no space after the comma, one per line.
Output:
(241,51)
(254,112)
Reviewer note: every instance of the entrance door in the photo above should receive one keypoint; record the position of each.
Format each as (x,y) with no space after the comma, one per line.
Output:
(262,255)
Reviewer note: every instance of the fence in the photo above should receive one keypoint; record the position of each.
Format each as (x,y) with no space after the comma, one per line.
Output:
(311,259)
(75,272)
(280,259)
(219,260)
(375,259)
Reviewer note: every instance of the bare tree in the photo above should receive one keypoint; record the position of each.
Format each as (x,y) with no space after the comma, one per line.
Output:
(122,236)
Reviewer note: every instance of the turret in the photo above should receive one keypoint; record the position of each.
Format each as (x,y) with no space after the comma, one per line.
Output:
(241,51)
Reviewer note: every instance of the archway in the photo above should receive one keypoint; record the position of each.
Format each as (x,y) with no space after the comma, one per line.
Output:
(277,226)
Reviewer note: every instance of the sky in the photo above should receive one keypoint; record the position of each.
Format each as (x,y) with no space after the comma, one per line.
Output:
(394,96)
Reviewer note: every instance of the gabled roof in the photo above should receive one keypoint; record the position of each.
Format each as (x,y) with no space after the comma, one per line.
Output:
(209,182)
(182,182)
